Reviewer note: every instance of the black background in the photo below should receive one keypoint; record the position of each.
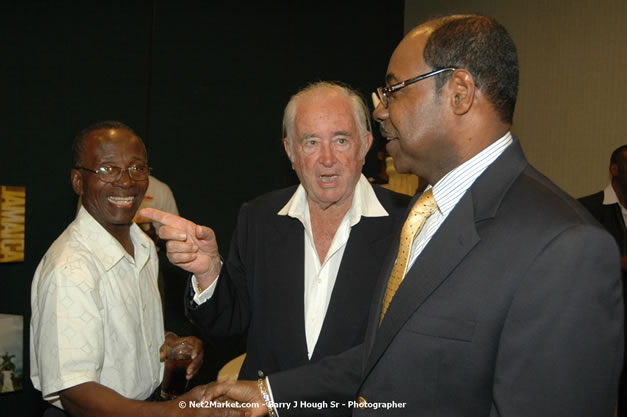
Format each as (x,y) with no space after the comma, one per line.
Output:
(204,84)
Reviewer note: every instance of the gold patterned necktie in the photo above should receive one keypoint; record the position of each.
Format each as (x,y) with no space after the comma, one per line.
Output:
(424,207)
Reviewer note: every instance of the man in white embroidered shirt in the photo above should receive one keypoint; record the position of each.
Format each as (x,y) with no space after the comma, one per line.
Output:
(97,326)
(299,276)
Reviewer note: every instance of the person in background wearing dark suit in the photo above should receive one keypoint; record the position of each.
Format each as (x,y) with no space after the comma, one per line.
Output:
(609,208)
(301,270)
(501,296)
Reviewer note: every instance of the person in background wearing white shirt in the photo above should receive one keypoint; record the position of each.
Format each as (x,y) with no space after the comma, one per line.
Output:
(159,196)
(97,323)
(300,273)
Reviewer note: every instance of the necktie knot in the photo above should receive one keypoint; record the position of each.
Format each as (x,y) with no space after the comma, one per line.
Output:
(425,205)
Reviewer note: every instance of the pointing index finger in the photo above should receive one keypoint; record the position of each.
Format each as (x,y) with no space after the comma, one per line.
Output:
(166,218)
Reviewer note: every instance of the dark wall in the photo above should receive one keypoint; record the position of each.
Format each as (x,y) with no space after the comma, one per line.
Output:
(203,84)
(223,76)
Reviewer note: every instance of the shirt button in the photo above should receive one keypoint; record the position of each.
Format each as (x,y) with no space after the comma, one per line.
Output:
(150,344)
(318,281)
(144,307)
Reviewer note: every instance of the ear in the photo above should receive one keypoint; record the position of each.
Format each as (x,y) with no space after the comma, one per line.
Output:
(614,170)
(366,145)
(288,150)
(463,90)
(77,181)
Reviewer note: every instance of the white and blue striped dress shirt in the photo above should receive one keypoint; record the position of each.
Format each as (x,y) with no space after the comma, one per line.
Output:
(451,188)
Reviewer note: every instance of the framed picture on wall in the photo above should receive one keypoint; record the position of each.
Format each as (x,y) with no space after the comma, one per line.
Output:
(11,352)
(12,226)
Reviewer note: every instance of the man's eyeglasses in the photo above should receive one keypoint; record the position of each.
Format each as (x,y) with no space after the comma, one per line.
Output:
(384,93)
(109,173)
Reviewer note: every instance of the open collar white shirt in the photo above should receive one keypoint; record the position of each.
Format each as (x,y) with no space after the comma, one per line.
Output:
(320,277)
(96,313)
(610,197)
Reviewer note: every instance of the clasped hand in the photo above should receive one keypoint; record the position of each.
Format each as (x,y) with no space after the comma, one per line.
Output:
(227,399)
(243,395)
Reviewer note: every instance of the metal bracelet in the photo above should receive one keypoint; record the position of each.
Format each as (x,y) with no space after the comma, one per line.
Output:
(266,398)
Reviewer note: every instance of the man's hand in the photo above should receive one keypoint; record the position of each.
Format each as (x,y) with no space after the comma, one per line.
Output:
(190,246)
(197,353)
(92,399)
(246,392)
(182,407)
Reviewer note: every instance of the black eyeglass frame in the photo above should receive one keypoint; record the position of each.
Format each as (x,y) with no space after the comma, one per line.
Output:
(384,93)
(118,175)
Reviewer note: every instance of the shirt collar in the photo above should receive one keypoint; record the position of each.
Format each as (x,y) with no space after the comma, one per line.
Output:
(449,190)
(365,203)
(609,195)
(106,248)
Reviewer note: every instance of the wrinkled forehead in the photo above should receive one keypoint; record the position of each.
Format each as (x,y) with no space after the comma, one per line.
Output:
(319,111)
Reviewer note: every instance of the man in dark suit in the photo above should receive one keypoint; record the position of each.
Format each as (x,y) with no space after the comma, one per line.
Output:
(609,208)
(609,205)
(303,262)
(511,304)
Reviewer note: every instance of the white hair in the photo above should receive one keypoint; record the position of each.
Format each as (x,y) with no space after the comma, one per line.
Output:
(361,113)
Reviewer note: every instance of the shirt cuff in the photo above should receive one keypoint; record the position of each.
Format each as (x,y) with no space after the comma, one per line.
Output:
(207,293)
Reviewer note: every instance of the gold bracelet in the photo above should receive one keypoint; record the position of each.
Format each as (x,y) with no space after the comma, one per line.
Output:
(266,398)
(198,289)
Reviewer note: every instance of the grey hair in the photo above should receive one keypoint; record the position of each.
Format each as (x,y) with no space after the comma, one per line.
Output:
(361,113)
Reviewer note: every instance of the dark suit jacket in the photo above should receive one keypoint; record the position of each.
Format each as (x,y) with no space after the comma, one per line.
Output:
(260,291)
(610,216)
(513,309)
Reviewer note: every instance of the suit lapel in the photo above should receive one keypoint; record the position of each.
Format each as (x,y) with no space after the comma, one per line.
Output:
(616,214)
(447,248)
(455,238)
(368,239)
(286,238)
